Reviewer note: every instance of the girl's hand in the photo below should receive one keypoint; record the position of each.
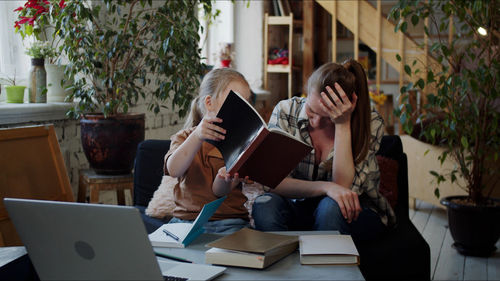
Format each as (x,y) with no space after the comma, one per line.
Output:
(234,180)
(347,200)
(339,110)
(207,130)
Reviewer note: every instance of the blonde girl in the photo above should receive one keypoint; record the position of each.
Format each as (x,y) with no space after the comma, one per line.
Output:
(199,166)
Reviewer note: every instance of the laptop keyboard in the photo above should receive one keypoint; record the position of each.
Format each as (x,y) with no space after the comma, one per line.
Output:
(174,278)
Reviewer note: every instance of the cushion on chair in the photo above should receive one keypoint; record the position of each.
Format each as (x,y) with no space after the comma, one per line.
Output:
(162,204)
(388,179)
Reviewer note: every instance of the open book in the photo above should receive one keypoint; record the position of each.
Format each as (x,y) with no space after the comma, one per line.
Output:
(250,248)
(165,235)
(264,155)
(328,249)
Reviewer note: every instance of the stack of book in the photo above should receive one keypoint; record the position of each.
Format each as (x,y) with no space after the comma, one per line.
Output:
(250,248)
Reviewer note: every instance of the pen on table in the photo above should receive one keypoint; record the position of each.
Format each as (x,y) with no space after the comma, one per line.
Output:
(171,234)
(172,257)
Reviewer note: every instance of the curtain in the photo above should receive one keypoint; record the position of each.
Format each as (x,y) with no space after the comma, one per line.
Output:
(12,56)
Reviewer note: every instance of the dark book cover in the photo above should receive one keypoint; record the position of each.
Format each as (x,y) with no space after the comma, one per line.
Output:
(249,148)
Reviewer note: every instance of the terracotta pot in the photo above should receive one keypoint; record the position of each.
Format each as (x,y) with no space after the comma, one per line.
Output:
(110,144)
(475,229)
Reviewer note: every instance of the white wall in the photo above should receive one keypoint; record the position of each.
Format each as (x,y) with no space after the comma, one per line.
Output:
(248,40)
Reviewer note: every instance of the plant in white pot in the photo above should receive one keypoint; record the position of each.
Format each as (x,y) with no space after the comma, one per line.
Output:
(119,52)
(36,20)
(462,113)
(14,91)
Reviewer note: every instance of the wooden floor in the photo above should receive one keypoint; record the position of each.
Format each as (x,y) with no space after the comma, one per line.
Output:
(446,262)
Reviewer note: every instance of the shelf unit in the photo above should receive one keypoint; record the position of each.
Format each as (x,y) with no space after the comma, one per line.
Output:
(285,21)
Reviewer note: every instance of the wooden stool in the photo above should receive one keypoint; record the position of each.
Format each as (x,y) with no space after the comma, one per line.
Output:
(96,183)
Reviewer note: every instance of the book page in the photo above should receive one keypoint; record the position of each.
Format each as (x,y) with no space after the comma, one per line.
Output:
(159,239)
(282,132)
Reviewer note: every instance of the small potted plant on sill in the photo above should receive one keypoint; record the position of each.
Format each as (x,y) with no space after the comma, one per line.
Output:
(37,78)
(225,55)
(121,52)
(462,113)
(14,92)
(36,21)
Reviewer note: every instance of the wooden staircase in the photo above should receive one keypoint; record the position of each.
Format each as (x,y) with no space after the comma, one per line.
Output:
(367,23)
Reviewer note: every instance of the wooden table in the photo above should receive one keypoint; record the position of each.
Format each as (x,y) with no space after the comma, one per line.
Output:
(96,183)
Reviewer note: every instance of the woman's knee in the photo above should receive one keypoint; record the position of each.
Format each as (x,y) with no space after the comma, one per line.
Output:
(328,207)
(328,216)
(267,211)
(268,200)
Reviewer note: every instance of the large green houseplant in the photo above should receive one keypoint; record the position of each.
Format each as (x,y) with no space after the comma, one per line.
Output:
(121,51)
(462,112)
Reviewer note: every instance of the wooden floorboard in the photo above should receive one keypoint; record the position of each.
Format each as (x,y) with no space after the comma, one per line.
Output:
(476,268)
(450,265)
(422,215)
(493,267)
(446,262)
(434,233)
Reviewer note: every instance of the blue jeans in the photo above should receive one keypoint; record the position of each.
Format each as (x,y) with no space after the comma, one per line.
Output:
(226,226)
(273,212)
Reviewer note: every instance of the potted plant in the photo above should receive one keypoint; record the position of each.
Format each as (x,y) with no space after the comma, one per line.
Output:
(120,51)
(36,21)
(462,113)
(15,93)
(37,78)
(225,54)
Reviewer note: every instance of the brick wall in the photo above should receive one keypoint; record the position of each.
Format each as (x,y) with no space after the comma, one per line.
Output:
(160,126)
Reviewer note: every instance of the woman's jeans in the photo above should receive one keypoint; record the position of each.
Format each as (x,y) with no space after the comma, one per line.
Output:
(226,226)
(273,212)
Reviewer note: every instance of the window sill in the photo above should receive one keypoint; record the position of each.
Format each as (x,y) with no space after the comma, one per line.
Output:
(13,113)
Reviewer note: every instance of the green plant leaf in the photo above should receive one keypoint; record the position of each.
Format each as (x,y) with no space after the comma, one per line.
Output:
(398,57)
(420,83)
(404,26)
(414,19)
(408,70)
(436,193)
(465,143)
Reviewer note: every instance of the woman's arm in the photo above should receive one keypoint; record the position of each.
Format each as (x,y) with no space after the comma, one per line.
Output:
(340,111)
(346,199)
(343,161)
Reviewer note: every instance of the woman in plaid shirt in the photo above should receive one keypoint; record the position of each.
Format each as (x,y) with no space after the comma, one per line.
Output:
(335,187)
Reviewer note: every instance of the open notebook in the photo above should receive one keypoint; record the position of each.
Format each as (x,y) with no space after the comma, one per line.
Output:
(179,235)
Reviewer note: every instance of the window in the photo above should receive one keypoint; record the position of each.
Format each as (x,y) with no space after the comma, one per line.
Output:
(12,56)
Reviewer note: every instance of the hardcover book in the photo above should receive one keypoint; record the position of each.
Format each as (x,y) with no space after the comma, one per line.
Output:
(264,155)
(328,249)
(250,248)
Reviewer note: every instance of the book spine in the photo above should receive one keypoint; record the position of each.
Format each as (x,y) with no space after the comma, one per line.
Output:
(263,132)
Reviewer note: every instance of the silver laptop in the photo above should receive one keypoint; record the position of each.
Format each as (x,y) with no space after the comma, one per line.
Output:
(75,241)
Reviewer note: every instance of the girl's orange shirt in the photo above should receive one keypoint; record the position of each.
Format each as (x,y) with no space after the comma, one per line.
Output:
(194,188)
